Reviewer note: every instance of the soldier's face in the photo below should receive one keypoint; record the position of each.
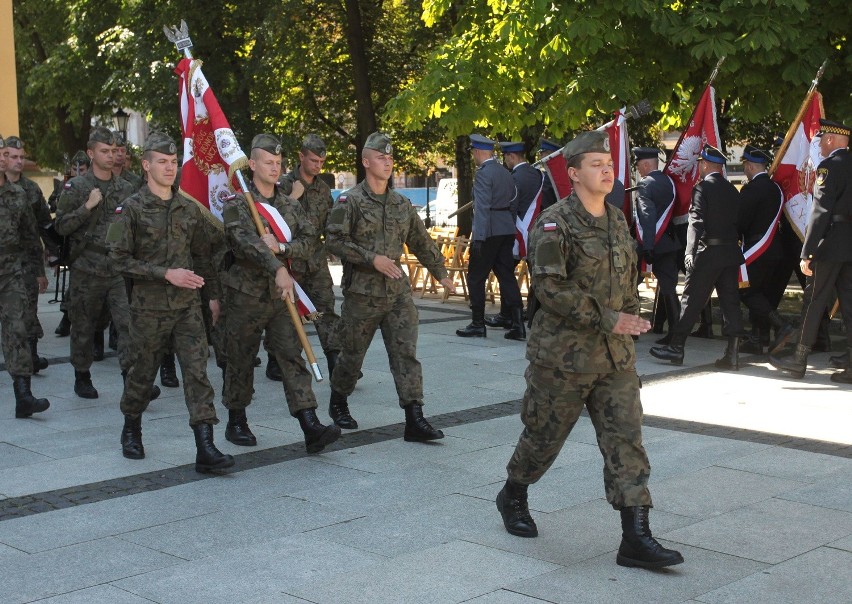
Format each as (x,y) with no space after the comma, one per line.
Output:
(311,163)
(378,164)
(4,154)
(595,174)
(120,152)
(102,156)
(15,160)
(266,166)
(161,168)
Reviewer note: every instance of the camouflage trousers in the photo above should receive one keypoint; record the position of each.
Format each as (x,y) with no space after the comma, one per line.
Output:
(551,406)
(247,318)
(319,287)
(151,331)
(88,296)
(34,328)
(397,318)
(13,335)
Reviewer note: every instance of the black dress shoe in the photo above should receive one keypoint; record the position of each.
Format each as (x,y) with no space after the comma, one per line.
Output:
(671,353)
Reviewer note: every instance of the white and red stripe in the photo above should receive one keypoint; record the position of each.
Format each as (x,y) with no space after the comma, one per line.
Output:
(756,251)
(524,223)
(619,145)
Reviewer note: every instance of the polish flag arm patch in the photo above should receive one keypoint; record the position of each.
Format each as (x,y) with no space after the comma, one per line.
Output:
(549,226)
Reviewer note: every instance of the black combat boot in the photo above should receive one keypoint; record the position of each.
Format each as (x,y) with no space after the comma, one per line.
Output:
(512,503)
(63,330)
(417,429)
(795,365)
(25,403)
(317,436)
(840,361)
(783,331)
(331,359)
(476,328)
(731,360)
(39,363)
(207,456)
(273,370)
(338,411)
(503,319)
(671,304)
(237,431)
(131,438)
(168,372)
(83,385)
(518,331)
(98,345)
(673,352)
(705,326)
(638,547)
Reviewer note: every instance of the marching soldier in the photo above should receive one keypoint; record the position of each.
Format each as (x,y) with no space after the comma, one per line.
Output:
(118,167)
(827,251)
(581,354)
(255,304)
(161,245)
(367,229)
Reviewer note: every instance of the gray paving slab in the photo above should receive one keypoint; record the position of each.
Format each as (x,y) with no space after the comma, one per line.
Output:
(820,575)
(844,544)
(453,572)
(12,456)
(769,531)
(503,596)
(790,463)
(601,581)
(834,493)
(500,431)
(99,594)
(76,567)
(684,453)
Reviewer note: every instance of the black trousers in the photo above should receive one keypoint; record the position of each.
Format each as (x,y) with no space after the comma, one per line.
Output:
(665,271)
(495,254)
(827,276)
(699,284)
(756,296)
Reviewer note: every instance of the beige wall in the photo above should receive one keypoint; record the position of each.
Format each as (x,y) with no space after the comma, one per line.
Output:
(9,98)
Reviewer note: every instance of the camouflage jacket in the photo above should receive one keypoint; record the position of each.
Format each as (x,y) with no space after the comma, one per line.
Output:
(254,267)
(18,234)
(135,180)
(317,203)
(153,235)
(43,219)
(361,226)
(584,273)
(72,220)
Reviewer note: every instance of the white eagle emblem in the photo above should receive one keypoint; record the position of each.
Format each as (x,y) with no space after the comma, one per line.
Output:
(685,163)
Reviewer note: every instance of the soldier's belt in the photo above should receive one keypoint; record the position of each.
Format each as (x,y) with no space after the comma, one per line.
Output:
(841,218)
(363,268)
(713,242)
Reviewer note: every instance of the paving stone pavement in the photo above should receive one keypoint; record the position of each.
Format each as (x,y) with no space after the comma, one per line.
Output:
(751,479)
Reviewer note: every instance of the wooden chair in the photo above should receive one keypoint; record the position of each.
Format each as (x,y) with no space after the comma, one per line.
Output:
(457,267)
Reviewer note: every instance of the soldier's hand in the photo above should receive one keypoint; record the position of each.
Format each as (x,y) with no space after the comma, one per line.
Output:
(284,283)
(215,310)
(689,263)
(387,267)
(298,189)
(270,241)
(42,284)
(448,283)
(94,199)
(185,278)
(805,265)
(631,324)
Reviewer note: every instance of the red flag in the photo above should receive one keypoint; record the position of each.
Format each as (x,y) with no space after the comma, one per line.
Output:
(557,171)
(796,171)
(211,153)
(619,145)
(683,165)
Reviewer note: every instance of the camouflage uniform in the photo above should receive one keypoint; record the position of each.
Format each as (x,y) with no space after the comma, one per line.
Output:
(316,280)
(255,305)
(94,278)
(134,179)
(584,273)
(360,227)
(152,236)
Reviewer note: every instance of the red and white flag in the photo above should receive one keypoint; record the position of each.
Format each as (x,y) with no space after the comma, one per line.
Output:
(619,145)
(796,171)
(557,170)
(683,165)
(525,222)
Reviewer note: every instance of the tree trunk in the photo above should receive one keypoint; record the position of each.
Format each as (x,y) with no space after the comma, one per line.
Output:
(464,171)
(365,112)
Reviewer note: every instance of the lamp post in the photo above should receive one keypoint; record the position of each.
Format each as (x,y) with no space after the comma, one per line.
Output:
(120,119)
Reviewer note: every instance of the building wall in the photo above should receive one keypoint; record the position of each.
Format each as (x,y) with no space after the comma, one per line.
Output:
(9,99)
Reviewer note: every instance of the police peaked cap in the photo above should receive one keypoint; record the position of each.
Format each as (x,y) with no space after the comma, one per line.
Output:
(758,156)
(379,141)
(595,141)
(160,143)
(549,145)
(266,142)
(712,154)
(825,127)
(512,146)
(646,153)
(477,141)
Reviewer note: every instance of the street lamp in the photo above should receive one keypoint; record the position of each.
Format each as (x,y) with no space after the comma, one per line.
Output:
(120,119)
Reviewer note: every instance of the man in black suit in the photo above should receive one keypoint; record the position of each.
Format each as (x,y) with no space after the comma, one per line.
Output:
(760,209)
(827,250)
(712,259)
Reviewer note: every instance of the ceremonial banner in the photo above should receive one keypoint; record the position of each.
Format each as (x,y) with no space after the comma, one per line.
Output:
(683,165)
(523,223)
(619,145)
(557,171)
(211,153)
(796,171)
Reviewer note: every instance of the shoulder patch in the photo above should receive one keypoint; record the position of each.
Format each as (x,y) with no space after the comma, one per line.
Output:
(822,174)
(548,253)
(341,199)
(549,226)
(67,185)
(118,209)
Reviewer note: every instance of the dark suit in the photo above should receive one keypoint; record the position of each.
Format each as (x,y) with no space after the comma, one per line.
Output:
(655,194)
(711,239)
(528,182)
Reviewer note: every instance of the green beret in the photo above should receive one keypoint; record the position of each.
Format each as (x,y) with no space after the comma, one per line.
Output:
(379,141)
(267,142)
(99,134)
(13,142)
(595,141)
(314,144)
(161,143)
(80,158)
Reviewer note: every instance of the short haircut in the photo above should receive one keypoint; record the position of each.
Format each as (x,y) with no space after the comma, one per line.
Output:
(575,161)
(314,144)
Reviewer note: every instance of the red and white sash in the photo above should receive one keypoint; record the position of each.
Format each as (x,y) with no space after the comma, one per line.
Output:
(756,251)
(523,223)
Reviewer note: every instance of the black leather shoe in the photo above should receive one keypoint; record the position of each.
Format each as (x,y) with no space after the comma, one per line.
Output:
(168,372)
(131,438)
(83,385)
(731,360)
(500,320)
(317,436)
(63,330)
(98,346)
(513,507)
(237,431)
(417,429)
(208,457)
(517,331)
(795,365)
(338,411)
(672,353)
(273,370)
(476,328)
(638,547)
(25,403)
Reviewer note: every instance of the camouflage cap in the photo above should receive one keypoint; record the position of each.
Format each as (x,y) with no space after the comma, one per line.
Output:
(379,141)
(160,142)
(80,158)
(13,142)
(99,134)
(595,141)
(267,142)
(119,138)
(314,144)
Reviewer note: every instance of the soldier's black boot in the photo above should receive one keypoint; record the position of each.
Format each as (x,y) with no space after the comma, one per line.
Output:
(83,385)
(638,547)
(273,370)
(331,359)
(783,331)
(98,345)
(845,376)
(795,365)
(476,328)
(840,361)
(705,326)
(671,306)
(417,429)
(518,331)
(513,507)
(64,328)
(338,411)
(753,344)
(673,352)
(731,360)
(237,431)
(502,319)
(207,456)
(39,363)
(317,436)
(131,438)
(25,403)
(168,372)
